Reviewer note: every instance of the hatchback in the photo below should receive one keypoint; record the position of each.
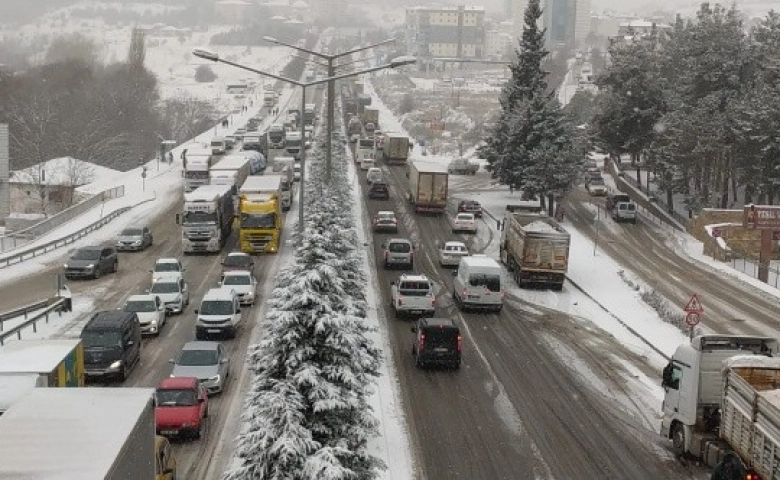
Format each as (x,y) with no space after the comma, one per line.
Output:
(451,252)
(238,261)
(470,206)
(206,361)
(379,191)
(397,252)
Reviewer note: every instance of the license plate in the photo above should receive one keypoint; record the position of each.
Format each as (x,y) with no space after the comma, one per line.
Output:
(169,432)
(415,311)
(473,296)
(441,350)
(213,330)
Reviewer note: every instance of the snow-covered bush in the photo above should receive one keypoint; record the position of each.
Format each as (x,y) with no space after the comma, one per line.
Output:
(307,414)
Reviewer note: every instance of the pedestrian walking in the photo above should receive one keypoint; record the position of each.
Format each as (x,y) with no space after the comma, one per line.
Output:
(170,158)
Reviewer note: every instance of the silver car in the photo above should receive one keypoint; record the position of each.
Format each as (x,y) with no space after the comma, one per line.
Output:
(174,293)
(451,252)
(206,361)
(134,238)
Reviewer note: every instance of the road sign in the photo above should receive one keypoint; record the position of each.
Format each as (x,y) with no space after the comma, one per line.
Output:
(692,319)
(694,305)
(761,217)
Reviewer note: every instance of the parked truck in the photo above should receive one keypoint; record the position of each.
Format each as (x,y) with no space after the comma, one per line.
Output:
(428,185)
(260,214)
(27,364)
(206,218)
(197,162)
(232,170)
(463,166)
(95,433)
(370,115)
(395,149)
(722,404)
(534,247)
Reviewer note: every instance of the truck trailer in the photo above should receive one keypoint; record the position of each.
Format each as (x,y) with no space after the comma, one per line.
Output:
(428,185)
(534,247)
(232,170)
(27,364)
(370,115)
(197,162)
(276,136)
(722,404)
(260,214)
(89,433)
(207,218)
(395,149)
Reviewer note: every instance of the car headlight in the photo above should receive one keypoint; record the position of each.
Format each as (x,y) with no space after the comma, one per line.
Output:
(137,242)
(65,266)
(153,323)
(177,299)
(116,364)
(91,265)
(214,379)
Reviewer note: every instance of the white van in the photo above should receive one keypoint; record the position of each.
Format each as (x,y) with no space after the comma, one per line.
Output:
(218,146)
(366,163)
(219,314)
(374,174)
(478,284)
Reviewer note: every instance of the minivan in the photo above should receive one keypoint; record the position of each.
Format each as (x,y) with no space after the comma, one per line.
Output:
(374,174)
(477,284)
(219,314)
(437,341)
(112,344)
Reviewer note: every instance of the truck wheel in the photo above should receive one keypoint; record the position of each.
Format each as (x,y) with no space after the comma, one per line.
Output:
(678,439)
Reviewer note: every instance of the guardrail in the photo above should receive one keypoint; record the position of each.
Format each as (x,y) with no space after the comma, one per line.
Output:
(57,307)
(23,311)
(60,242)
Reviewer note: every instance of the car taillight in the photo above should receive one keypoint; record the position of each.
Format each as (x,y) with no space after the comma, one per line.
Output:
(465,293)
(400,301)
(460,342)
(422,343)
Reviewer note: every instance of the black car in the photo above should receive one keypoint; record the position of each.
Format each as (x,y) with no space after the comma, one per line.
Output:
(112,344)
(437,341)
(91,262)
(379,191)
(470,206)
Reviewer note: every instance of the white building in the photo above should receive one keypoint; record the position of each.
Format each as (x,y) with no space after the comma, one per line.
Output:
(581,21)
(498,44)
(456,32)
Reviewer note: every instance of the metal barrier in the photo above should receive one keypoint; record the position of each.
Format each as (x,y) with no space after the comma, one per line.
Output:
(57,307)
(23,311)
(653,205)
(23,237)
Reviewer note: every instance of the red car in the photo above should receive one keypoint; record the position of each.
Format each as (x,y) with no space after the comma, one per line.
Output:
(181,407)
(470,206)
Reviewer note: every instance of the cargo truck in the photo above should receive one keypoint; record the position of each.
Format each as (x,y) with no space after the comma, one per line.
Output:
(463,166)
(395,149)
(260,214)
(428,186)
(534,248)
(276,136)
(285,167)
(27,364)
(89,433)
(309,114)
(269,98)
(206,218)
(370,115)
(232,170)
(722,404)
(293,144)
(197,162)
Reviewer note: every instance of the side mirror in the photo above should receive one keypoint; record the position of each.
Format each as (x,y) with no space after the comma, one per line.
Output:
(130,342)
(170,360)
(413,329)
(666,376)
(455,273)
(196,311)
(238,310)
(224,360)
(200,400)
(392,283)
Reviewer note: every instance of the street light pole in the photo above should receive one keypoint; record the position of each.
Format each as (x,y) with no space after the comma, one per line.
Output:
(303,161)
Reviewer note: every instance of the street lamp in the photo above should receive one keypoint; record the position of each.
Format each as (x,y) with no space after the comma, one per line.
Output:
(214,57)
(331,85)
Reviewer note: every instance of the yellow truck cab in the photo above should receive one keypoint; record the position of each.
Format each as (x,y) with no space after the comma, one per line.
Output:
(260,214)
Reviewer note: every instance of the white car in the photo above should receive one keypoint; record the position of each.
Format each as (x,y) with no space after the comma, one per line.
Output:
(174,293)
(451,252)
(150,310)
(464,222)
(297,172)
(243,283)
(596,187)
(167,268)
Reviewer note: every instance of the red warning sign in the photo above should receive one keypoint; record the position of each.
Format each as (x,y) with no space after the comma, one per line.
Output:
(694,305)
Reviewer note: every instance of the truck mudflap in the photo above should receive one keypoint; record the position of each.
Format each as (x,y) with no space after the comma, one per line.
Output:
(429,208)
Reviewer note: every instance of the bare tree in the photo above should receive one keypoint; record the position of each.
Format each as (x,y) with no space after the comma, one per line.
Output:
(186,116)
(72,47)
(52,184)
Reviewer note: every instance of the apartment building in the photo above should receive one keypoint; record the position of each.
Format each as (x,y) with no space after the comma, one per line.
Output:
(451,32)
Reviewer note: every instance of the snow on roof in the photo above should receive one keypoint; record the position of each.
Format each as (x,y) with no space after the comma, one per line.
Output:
(207,193)
(66,171)
(231,162)
(35,356)
(539,226)
(424,166)
(751,361)
(257,183)
(480,261)
(63,433)
(15,386)
(277,17)
(300,4)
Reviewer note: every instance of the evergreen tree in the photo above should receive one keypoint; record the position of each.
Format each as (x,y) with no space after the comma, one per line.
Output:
(533,147)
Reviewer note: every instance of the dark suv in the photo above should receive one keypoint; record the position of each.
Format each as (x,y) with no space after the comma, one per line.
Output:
(91,262)
(379,191)
(470,206)
(437,341)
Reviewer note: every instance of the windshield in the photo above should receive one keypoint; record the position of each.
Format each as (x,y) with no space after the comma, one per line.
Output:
(597,181)
(216,307)
(175,398)
(166,267)
(236,280)
(140,306)
(415,289)
(492,282)
(101,338)
(399,247)
(189,218)
(197,174)
(293,142)
(197,358)
(86,255)
(165,287)
(237,261)
(131,232)
(262,220)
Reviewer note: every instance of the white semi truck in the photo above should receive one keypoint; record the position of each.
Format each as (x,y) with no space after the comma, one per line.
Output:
(722,404)
(428,186)
(207,218)
(197,162)
(231,170)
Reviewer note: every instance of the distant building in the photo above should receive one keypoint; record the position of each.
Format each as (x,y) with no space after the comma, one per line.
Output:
(451,32)
(498,44)
(581,21)
(639,30)
(50,187)
(234,11)
(565,21)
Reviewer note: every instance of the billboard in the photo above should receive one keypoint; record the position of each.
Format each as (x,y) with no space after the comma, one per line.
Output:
(761,217)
